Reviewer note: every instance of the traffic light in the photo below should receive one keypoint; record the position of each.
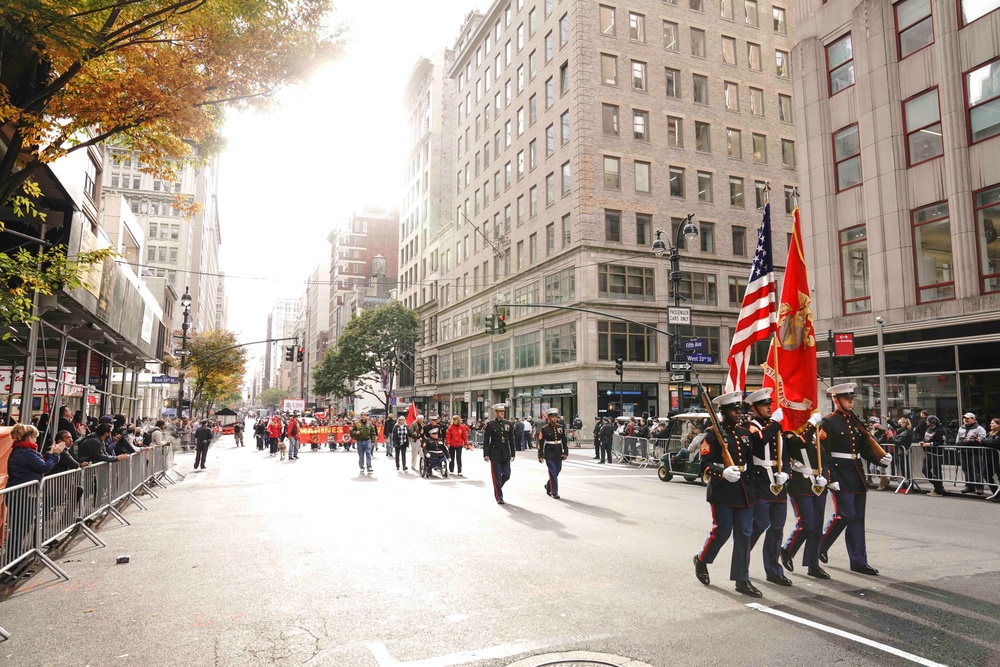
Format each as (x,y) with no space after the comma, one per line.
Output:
(248,395)
(491,324)
(300,354)
(501,319)
(290,353)
(620,366)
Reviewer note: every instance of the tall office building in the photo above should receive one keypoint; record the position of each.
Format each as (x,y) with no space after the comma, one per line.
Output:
(581,130)
(898,108)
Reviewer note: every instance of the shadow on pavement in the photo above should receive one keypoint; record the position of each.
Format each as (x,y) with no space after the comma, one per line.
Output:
(537,521)
(594,510)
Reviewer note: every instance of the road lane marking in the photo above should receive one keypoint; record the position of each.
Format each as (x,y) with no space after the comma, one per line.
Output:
(385,659)
(847,635)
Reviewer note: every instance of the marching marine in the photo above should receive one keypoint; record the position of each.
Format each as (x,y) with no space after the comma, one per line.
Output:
(807,490)
(850,445)
(770,460)
(498,450)
(553,450)
(726,453)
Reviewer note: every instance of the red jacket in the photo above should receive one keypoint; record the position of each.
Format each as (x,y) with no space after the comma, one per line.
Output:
(457,436)
(274,428)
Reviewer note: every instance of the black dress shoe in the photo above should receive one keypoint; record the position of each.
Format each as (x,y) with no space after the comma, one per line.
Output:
(781,580)
(864,569)
(818,572)
(823,558)
(701,571)
(500,502)
(786,560)
(747,588)
(555,495)
(547,492)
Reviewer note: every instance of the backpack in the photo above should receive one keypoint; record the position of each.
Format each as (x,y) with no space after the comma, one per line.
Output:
(147,437)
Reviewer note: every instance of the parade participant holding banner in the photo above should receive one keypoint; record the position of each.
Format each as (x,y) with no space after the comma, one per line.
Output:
(810,470)
(726,452)
(849,442)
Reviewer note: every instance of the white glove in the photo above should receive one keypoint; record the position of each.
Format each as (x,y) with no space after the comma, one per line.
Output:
(821,481)
(815,418)
(780,478)
(731,474)
(834,486)
(885,460)
(778,415)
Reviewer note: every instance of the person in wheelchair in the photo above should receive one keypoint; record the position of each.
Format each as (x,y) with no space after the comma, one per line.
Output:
(434,455)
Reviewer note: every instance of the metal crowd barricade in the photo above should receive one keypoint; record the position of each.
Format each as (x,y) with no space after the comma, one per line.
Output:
(119,484)
(953,466)
(62,504)
(617,448)
(140,472)
(20,537)
(476,439)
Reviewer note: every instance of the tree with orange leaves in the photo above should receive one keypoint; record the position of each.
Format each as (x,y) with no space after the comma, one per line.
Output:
(150,74)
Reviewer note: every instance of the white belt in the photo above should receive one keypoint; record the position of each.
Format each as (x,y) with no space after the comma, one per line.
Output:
(763,462)
(553,442)
(843,455)
(801,469)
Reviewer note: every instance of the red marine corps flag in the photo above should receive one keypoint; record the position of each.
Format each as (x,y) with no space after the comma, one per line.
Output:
(791,362)
(411,416)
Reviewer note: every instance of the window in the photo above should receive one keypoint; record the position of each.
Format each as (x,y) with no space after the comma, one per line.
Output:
(501,356)
(734,143)
(609,69)
(982,89)
(790,199)
(854,270)
(731,92)
(567,231)
(532,110)
(759,148)
(532,201)
(975,9)
(699,288)
(609,119)
(90,179)
(697,5)
(564,79)
(637,27)
(642,178)
(935,268)
(840,64)
(914,25)
(697,42)
(612,226)
(550,238)
(520,78)
(702,137)
(635,283)
(565,187)
(847,156)
(549,46)
(751,13)
(520,212)
(532,154)
(987,204)
(706,235)
(736,191)
(520,255)
(607,20)
(508,134)
(756,102)
(564,128)
(560,344)
(634,342)
(739,242)
(785,108)
(526,350)
(563,30)
(532,65)
(675,224)
(520,121)
(480,355)
(781,64)
(533,248)
(700,87)
(550,140)
(638,75)
(676,181)
(507,175)
(726,10)
(788,154)
(550,93)
(612,177)
(675,132)
(705,186)
(729,50)
(550,188)
(640,124)
(778,15)
(671,36)
(673,82)
(922,118)
(520,37)
(753,56)
(760,194)
(532,22)
(737,287)
(643,227)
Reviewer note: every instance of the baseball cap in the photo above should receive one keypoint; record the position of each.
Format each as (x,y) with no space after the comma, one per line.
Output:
(968,415)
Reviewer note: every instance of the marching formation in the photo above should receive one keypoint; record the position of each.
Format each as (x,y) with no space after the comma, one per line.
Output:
(748,487)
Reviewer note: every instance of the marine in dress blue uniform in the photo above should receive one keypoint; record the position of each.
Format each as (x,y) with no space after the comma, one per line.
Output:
(771,508)
(553,450)
(730,493)
(849,446)
(810,470)
(498,450)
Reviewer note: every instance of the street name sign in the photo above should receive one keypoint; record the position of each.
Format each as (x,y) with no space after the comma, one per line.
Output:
(165,379)
(700,358)
(694,344)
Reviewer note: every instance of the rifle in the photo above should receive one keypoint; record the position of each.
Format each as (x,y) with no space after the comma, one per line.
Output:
(876,448)
(727,458)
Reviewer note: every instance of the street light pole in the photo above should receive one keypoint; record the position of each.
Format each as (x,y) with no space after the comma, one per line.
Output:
(686,230)
(883,399)
(185,325)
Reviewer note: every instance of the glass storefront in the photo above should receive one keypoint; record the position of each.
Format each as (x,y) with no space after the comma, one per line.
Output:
(535,401)
(616,399)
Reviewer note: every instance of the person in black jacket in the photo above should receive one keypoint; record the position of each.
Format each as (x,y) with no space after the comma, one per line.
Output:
(607,436)
(66,460)
(498,450)
(598,423)
(933,442)
(771,462)
(992,470)
(901,441)
(92,449)
(66,420)
(731,494)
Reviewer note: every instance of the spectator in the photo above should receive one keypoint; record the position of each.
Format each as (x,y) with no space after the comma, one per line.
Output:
(933,441)
(80,424)
(274,431)
(401,441)
(92,448)
(292,431)
(238,434)
(902,439)
(120,443)
(66,420)
(457,438)
(920,427)
(971,435)
(992,442)
(66,460)
(202,439)
(25,464)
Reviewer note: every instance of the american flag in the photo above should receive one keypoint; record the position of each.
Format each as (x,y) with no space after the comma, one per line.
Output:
(758,315)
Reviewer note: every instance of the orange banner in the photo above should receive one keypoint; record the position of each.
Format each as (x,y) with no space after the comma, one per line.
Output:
(312,433)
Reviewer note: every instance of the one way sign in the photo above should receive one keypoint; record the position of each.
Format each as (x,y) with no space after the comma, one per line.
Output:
(681,366)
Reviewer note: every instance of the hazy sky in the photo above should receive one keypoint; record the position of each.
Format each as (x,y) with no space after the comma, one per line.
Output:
(289,176)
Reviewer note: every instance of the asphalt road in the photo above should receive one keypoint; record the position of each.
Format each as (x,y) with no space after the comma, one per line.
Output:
(308,562)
